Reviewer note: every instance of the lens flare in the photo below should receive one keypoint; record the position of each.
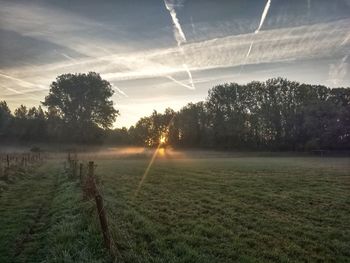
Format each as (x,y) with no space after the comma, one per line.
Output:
(161,151)
(147,170)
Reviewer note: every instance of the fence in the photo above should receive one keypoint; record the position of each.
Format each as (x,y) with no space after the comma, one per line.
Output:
(11,164)
(89,183)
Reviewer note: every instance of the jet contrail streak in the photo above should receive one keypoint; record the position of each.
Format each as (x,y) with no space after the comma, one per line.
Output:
(23,82)
(20,93)
(189,75)
(263,16)
(68,57)
(250,49)
(121,92)
(345,40)
(179,37)
(262,20)
(179,82)
(178,32)
(14,91)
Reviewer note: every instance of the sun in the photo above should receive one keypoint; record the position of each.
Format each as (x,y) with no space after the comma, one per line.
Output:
(162,139)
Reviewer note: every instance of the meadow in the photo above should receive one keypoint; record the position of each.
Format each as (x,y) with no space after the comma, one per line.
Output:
(189,208)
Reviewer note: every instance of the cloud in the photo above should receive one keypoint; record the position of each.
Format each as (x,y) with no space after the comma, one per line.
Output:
(317,41)
(58,26)
(322,40)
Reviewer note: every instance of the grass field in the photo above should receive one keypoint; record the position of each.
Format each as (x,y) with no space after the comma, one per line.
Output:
(43,219)
(237,209)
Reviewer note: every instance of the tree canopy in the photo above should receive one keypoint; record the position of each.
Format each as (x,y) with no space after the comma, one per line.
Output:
(82,102)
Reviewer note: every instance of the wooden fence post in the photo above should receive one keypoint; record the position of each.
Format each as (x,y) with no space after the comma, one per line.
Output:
(103,220)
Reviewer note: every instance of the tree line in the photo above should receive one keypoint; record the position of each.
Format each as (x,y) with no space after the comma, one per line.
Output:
(274,115)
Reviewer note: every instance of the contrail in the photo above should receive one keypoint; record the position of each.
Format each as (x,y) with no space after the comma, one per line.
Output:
(179,36)
(68,57)
(179,82)
(262,20)
(23,82)
(14,91)
(345,40)
(263,16)
(121,92)
(21,93)
(178,32)
(189,75)
(250,49)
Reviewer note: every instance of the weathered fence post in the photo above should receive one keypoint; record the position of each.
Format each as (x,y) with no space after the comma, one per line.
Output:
(103,220)
(90,190)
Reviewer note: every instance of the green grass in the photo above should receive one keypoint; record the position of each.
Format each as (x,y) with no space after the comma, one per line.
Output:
(237,209)
(225,210)
(43,219)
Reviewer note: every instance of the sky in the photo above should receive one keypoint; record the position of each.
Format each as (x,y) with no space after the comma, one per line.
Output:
(159,54)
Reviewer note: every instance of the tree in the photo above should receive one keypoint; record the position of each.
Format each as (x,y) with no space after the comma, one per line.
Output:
(191,123)
(20,122)
(36,124)
(5,118)
(83,102)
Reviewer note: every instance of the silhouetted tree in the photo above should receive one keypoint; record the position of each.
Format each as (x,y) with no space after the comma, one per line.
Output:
(5,118)
(83,102)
